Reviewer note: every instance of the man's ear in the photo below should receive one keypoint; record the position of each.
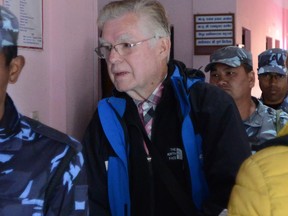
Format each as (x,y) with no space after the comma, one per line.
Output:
(165,47)
(251,76)
(15,68)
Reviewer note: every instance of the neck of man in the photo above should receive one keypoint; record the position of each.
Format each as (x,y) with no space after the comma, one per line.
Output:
(246,108)
(273,103)
(143,94)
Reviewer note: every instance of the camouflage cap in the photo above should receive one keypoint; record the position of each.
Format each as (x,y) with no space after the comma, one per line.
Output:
(273,61)
(9,28)
(232,56)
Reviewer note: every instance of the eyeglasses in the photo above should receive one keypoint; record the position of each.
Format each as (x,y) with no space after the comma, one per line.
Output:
(269,76)
(123,49)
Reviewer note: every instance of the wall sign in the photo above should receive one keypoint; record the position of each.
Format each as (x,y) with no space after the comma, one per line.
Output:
(30,18)
(213,31)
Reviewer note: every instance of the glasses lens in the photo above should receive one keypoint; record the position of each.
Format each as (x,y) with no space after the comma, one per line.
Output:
(123,48)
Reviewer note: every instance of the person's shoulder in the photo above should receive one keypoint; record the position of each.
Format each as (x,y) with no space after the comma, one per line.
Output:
(263,109)
(286,99)
(266,110)
(52,133)
(274,154)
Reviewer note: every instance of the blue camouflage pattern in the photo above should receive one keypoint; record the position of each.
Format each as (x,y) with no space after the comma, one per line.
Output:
(273,61)
(232,56)
(283,106)
(28,161)
(262,124)
(9,28)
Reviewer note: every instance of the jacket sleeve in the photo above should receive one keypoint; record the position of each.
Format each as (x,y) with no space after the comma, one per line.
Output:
(70,196)
(225,142)
(95,154)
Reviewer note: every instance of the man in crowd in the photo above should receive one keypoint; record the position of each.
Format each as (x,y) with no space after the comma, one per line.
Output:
(161,145)
(231,69)
(272,75)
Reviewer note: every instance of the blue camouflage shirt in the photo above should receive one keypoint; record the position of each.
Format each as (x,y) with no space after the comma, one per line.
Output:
(30,153)
(264,123)
(283,106)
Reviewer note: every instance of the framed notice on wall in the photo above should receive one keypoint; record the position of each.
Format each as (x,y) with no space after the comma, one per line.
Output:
(213,31)
(30,17)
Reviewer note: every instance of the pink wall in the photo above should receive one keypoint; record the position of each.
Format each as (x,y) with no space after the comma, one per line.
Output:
(264,18)
(207,7)
(61,81)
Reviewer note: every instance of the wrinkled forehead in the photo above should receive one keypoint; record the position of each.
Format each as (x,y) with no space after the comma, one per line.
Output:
(126,28)
(120,39)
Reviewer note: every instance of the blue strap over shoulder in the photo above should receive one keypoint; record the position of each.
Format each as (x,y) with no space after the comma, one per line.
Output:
(192,142)
(118,179)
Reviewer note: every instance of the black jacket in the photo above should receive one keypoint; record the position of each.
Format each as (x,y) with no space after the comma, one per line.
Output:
(225,146)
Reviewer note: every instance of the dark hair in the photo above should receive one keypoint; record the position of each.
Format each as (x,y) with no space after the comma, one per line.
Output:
(9,52)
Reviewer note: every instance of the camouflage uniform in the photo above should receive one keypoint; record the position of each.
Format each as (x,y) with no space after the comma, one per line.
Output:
(264,123)
(30,152)
(283,106)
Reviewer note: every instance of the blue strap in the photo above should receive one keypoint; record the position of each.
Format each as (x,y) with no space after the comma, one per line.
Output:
(118,180)
(192,143)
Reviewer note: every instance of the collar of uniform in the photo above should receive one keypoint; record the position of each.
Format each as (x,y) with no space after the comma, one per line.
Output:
(10,122)
(254,120)
(284,105)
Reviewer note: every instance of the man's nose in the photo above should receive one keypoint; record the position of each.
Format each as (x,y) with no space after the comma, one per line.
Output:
(114,56)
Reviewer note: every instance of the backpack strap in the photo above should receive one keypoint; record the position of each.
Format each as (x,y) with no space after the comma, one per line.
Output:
(192,142)
(111,111)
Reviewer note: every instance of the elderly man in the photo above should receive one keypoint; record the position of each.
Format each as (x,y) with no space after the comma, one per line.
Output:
(161,145)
